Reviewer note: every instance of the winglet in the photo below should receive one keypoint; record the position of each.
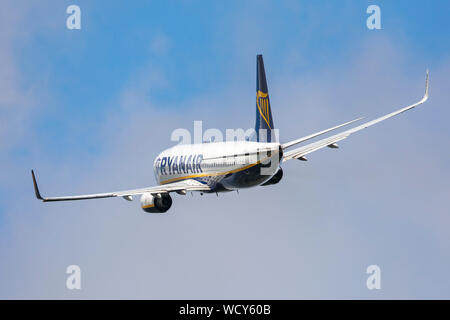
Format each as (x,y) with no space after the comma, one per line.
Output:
(36,189)
(426,85)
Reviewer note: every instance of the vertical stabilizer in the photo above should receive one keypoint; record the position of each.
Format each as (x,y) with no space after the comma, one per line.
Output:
(264,121)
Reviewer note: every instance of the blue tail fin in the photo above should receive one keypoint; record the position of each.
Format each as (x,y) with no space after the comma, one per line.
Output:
(264,119)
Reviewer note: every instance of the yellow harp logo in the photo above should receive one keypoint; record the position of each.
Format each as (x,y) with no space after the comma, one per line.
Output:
(262,101)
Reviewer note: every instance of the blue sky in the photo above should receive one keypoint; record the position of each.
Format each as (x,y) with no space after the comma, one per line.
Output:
(86,69)
(90,108)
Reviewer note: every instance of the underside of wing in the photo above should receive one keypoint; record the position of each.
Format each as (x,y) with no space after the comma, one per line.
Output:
(185,185)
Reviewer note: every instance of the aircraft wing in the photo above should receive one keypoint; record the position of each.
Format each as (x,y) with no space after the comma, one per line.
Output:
(308,137)
(185,185)
(300,152)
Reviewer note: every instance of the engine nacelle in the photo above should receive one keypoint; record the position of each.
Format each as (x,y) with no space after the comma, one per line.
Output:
(275,179)
(156,204)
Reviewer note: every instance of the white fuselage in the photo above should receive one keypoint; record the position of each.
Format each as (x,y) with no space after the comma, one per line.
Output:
(224,166)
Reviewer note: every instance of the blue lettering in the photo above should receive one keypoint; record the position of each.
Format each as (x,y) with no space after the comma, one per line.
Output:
(169,162)
(182,165)
(198,163)
(194,168)
(188,164)
(175,165)
(163,165)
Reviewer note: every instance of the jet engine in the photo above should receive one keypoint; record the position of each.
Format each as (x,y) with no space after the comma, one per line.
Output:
(275,179)
(156,204)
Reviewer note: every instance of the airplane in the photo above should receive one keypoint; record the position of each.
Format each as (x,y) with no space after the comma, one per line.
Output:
(216,167)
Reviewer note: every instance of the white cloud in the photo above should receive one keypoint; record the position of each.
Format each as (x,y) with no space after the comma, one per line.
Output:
(160,44)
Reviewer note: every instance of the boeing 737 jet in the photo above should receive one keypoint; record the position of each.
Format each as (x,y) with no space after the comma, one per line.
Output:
(232,165)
